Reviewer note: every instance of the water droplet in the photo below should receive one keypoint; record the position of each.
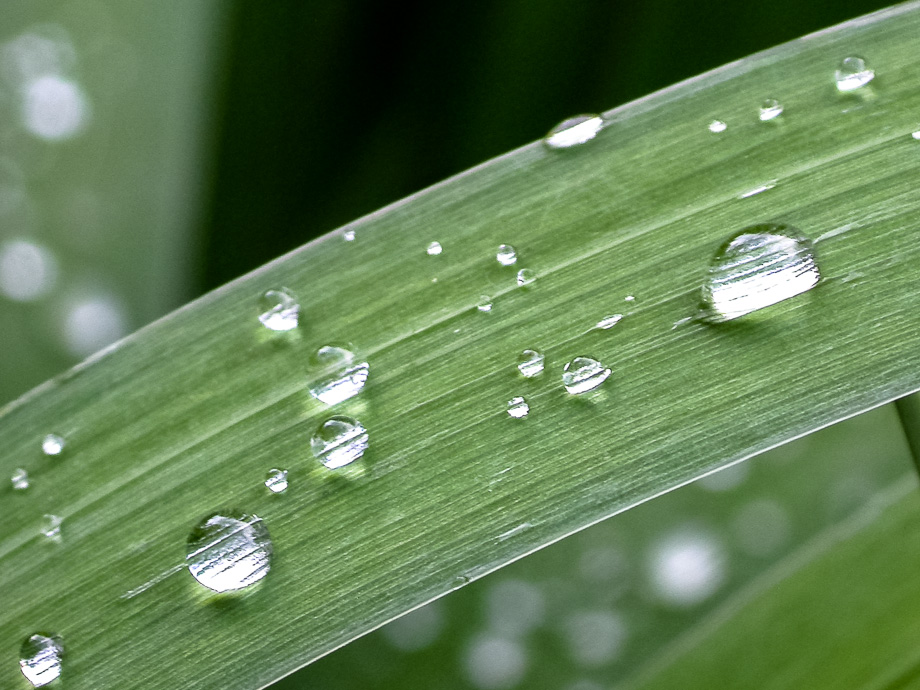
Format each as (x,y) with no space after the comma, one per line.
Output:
(434,249)
(583,374)
(28,271)
(52,444)
(530,363)
(629,298)
(349,235)
(574,131)
(506,255)
(276,481)
(484,303)
(20,479)
(51,527)
(916,135)
(279,310)
(852,74)
(755,268)
(770,109)
(525,277)
(609,321)
(518,407)
(340,440)
(40,658)
(229,552)
(717,126)
(336,374)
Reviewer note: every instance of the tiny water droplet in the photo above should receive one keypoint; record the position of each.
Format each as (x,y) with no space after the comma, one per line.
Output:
(336,374)
(340,440)
(228,552)
(629,298)
(574,131)
(52,444)
(349,235)
(434,249)
(279,310)
(583,374)
(853,73)
(758,267)
(40,659)
(717,126)
(276,481)
(20,479)
(51,526)
(484,303)
(518,407)
(530,363)
(506,255)
(916,135)
(770,109)
(609,321)
(525,277)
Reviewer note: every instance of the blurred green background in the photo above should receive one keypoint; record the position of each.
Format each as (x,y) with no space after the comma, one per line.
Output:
(152,151)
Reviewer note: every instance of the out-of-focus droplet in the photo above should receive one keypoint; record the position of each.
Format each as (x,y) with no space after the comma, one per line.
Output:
(28,271)
(54,108)
(583,374)
(336,374)
(276,481)
(574,131)
(53,444)
(434,249)
(770,109)
(93,322)
(717,126)
(229,552)
(853,73)
(40,659)
(518,407)
(506,255)
(339,441)
(530,363)
(687,568)
(20,479)
(756,268)
(279,310)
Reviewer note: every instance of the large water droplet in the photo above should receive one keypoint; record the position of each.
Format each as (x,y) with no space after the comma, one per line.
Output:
(717,126)
(279,310)
(525,277)
(609,321)
(583,374)
(518,407)
(51,527)
(853,73)
(506,255)
(484,303)
(530,363)
(40,658)
(574,131)
(20,479)
(52,444)
(229,552)
(277,481)
(340,440)
(336,374)
(770,109)
(434,249)
(755,268)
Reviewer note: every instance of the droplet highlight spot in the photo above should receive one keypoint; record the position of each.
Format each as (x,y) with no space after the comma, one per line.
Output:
(336,374)
(279,310)
(339,441)
(52,444)
(530,363)
(574,131)
(506,255)
(853,73)
(20,479)
(518,408)
(583,374)
(276,481)
(40,658)
(229,552)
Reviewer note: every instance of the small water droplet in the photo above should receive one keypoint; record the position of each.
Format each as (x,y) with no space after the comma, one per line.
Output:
(574,131)
(530,363)
(629,298)
(52,444)
(609,321)
(853,73)
(717,126)
(51,527)
(484,303)
(20,479)
(349,235)
(583,374)
(770,109)
(525,277)
(279,310)
(506,255)
(40,659)
(336,374)
(756,268)
(340,440)
(277,481)
(434,249)
(518,407)
(916,135)
(228,552)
